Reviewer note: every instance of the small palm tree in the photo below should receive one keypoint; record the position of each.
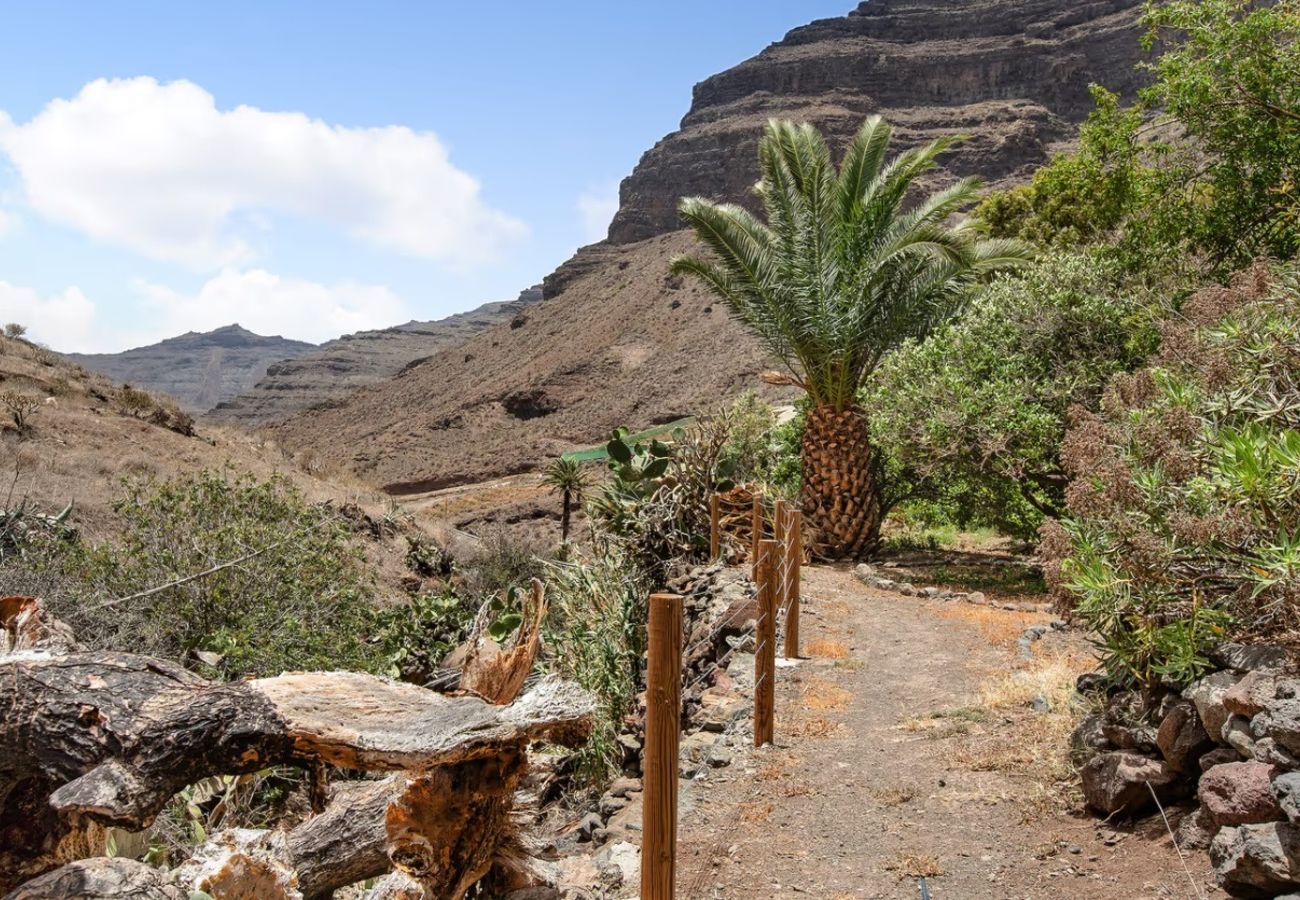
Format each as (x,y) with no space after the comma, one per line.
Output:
(841,272)
(566,478)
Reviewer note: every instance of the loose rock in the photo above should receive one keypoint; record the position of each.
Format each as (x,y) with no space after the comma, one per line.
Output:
(1239,793)
(1257,860)
(1117,782)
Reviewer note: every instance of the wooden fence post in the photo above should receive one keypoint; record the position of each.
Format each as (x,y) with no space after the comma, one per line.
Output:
(662,726)
(756,527)
(765,645)
(715,526)
(779,534)
(794,567)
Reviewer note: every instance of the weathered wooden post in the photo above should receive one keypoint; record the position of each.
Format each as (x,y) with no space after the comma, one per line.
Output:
(765,645)
(662,724)
(779,534)
(756,528)
(715,526)
(794,567)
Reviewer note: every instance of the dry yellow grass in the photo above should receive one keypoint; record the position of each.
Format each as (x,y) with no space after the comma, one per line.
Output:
(1036,745)
(815,727)
(1000,627)
(914,865)
(822,695)
(895,796)
(826,649)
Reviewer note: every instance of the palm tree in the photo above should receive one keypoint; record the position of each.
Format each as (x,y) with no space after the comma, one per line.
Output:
(841,272)
(566,478)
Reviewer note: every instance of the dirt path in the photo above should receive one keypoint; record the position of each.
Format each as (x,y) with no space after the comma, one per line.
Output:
(889,766)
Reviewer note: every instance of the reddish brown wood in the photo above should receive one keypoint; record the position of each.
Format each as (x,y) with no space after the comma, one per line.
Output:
(793,595)
(765,645)
(756,533)
(715,526)
(663,722)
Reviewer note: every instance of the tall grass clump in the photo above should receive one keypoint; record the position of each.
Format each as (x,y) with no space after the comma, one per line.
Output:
(595,635)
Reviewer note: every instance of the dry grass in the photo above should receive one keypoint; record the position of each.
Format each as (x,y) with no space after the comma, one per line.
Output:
(914,865)
(815,727)
(822,695)
(1000,627)
(756,812)
(827,649)
(1033,744)
(895,796)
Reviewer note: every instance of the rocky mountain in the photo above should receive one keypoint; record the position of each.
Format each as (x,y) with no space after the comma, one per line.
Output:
(199,369)
(323,377)
(617,340)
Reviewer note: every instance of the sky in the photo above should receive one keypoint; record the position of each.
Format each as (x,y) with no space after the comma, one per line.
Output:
(312,169)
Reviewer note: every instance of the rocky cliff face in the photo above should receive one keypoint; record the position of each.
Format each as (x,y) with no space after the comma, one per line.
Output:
(1012,75)
(617,339)
(198,369)
(322,378)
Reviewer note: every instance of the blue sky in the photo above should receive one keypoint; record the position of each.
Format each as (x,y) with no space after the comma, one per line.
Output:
(312,169)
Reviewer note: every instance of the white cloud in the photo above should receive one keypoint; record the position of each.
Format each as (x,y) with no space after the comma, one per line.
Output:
(64,321)
(270,304)
(8,222)
(158,168)
(597,206)
(258,300)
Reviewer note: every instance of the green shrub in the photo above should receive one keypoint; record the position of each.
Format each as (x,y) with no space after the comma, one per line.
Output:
(1184,503)
(298,597)
(976,413)
(1205,169)
(595,635)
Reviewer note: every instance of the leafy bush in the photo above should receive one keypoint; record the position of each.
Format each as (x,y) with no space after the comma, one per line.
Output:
(1184,503)
(976,413)
(416,636)
(298,597)
(1208,162)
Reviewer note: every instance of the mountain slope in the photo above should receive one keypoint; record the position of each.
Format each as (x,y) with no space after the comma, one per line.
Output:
(617,340)
(199,369)
(326,374)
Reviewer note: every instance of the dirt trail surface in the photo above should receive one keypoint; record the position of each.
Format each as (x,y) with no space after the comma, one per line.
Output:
(892,764)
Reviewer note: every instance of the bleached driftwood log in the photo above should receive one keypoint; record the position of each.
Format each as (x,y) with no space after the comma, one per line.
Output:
(98,738)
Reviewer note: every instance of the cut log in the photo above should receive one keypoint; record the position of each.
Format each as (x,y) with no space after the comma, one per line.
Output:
(103,879)
(109,738)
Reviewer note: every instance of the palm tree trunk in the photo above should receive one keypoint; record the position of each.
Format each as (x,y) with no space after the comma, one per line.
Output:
(840,498)
(564,518)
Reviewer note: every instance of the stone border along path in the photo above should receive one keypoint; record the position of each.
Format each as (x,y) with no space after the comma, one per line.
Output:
(848,804)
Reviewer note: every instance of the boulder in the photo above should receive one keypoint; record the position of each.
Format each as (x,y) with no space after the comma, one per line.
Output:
(1207,694)
(1286,788)
(1117,782)
(1196,830)
(1239,793)
(1281,722)
(1251,695)
(1218,756)
(1257,860)
(1088,739)
(1250,657)
(1141,738)
(1266,750)
(1236,734)
(1181,737)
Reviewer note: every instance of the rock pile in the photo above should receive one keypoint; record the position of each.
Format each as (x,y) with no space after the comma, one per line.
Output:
(1231,741)
(869,576)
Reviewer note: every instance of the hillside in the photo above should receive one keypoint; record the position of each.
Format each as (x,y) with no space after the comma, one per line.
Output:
(324,375)
(87,436)
(619,341)
(199,369)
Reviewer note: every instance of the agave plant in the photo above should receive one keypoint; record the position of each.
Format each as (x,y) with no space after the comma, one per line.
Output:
(841,272)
